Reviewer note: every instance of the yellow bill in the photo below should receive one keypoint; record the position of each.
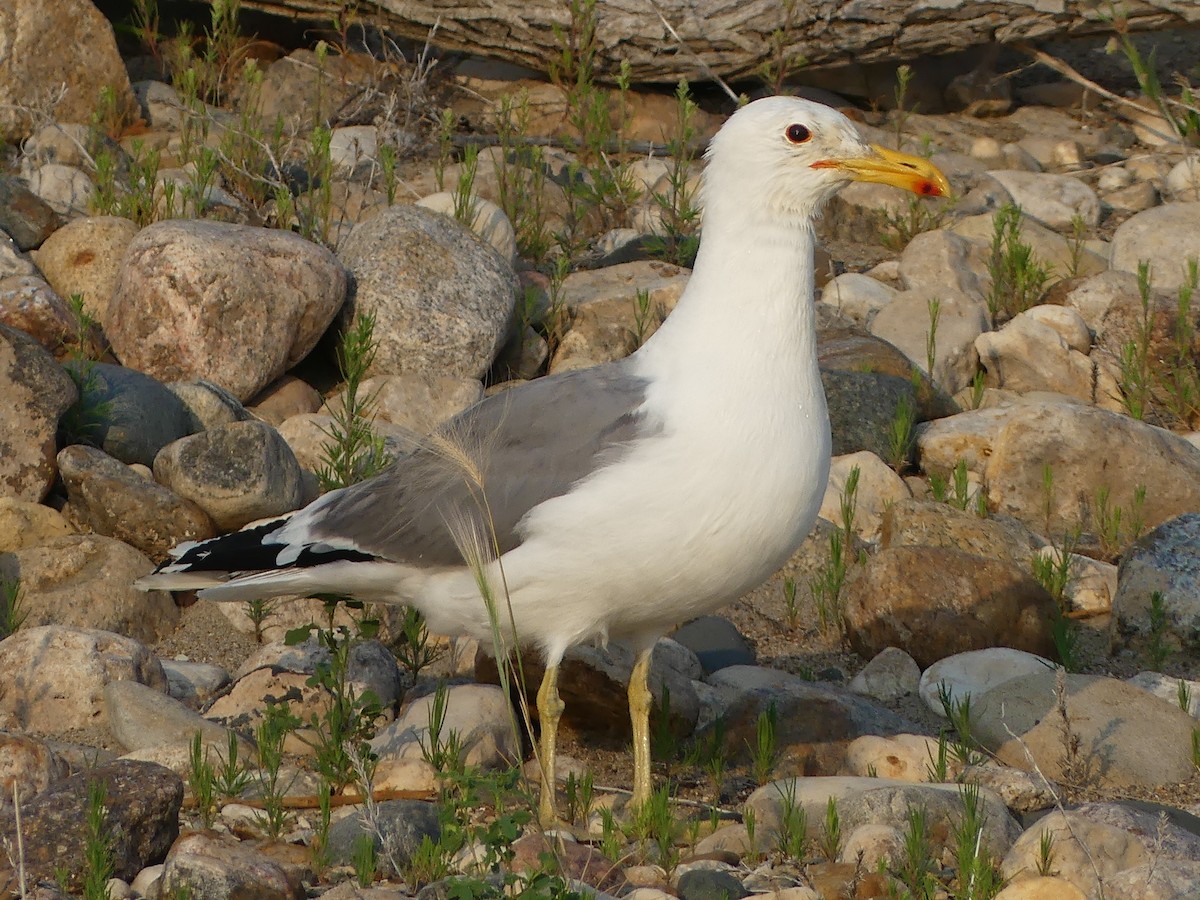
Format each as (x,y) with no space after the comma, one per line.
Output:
(902,170)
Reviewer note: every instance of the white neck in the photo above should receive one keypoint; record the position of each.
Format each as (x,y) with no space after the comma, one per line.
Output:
(747,313)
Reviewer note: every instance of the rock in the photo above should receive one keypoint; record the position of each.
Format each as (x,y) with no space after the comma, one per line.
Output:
(1041,888)
(1092,582)
(915,523)
(606,322)
(371,666)
(27,768)
(128,414)
(905,322)
(303,89)
(110,499)
(141,801)
(1090,449)
(83,257)
(236,473)
(29,304)
(57,674)
(878,488)
(24,524)
(1124,738)
(971,675)
(1167,688)
(487,220)
(204,864)
(577,862)
(594,682)
(1054,200)
(12,260)
(233,304)
(86,581)
(1022,792)
(857,297)
(1166,561)
(1133,199)
(1183,181)
(281,399)
(1049,247)
(863,407)
(890,675)
(904,757)
(934,602)
(716,642)
(815,723)
(353,147)
(862,801)
(1030,355)
(403,824)
(418,402)
(66,189)
(208,405)
(442,298)
(24,216)
(939,261)
(1167,236)
(1156,880)
(478,713)
(710,884)
(34,60)
(141,717)
(193,683)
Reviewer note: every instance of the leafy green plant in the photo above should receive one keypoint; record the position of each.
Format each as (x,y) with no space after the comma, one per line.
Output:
(831,832)
(97,847)
(678,205)
(958,713)
(1182,114)
(341,731)
(789,602)
(202,781)
(1180,376)
(792,836)
(580,797)
(354,452)
(413,648)
(780,64)
(1158,647)
(900,434)
(12,611)
(914,877)
(1045,857)
(655,826)
(363,859)
(270,733)
(1137,378)
(1018,277)
(764,752)
(978,870)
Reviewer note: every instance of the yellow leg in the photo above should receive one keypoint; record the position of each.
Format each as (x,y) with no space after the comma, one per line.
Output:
(640,699)
(550,710)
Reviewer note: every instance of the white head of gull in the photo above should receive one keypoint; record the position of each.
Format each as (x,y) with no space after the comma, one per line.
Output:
(617,501)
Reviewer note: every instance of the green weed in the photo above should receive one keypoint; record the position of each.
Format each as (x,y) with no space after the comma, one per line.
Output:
(831,833)
(12,611)
(1018,277)
(764,752)
(98,847)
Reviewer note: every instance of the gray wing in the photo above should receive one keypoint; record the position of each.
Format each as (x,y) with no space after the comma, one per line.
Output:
(526,445)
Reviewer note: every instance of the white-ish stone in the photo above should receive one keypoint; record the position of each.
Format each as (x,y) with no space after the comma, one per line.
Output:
(1166,235)
(904,757)
(872,845)
(65,188)
(1167,688)
(1054,200)
(890,675)
(1183,181)
(878,486)
(487,220)
(1113,178)
(976,672)
(1092,582)
(857,297)
(478,713)
(352,147)
(906,322)
(1069,324)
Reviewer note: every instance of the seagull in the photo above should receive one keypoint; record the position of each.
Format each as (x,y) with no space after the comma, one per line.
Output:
(618,501)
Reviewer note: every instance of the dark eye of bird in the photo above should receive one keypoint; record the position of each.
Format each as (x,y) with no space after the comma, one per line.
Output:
(798,134)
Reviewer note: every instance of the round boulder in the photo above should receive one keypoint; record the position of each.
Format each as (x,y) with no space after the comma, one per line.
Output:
(236,473)
(442,297)
(234,304)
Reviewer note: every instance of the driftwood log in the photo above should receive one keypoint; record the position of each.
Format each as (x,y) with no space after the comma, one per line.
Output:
(664,40)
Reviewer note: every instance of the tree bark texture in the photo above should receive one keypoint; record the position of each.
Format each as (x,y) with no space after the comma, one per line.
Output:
(734,38)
